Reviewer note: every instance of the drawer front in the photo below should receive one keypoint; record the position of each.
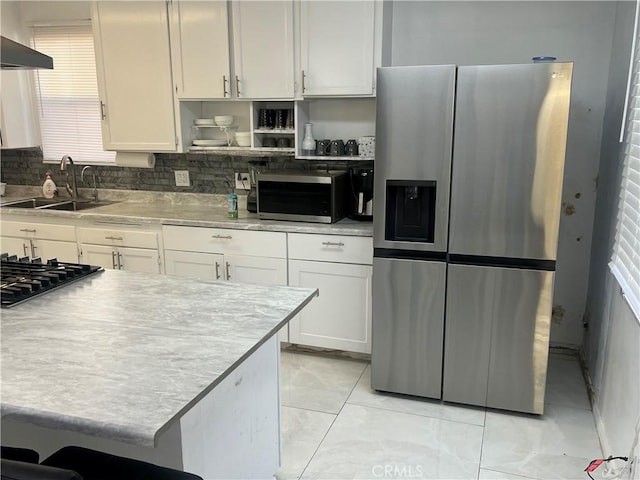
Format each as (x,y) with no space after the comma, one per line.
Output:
(225,241)
(120,238)
(39,230)
(331,248)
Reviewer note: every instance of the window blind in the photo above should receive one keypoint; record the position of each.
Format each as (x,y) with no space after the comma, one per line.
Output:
(68,103)
(625,262)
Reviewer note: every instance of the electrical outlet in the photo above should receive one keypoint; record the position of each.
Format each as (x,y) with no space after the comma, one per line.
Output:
(242,181)
(182,178)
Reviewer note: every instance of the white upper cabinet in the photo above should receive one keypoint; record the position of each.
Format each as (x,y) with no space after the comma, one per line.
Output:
(263,41)
(133,65)
(337,47)
(200,49)
(18,125)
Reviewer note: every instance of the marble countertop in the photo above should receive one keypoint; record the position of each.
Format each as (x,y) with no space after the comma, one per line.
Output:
(199,210)
(78,358)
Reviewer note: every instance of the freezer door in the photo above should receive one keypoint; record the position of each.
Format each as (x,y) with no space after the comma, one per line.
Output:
(508,160)
(414,128)
(407,329)
(497,337)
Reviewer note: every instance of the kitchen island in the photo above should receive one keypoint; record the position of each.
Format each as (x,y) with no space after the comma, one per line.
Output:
(179,372)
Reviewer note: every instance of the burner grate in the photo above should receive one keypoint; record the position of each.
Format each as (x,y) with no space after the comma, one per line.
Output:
(23,278)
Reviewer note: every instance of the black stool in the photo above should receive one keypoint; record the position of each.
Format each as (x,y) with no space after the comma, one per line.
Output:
(95,465)
(14,470)
(19,454)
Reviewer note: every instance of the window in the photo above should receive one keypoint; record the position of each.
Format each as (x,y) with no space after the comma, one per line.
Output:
(625,262)
(68,103)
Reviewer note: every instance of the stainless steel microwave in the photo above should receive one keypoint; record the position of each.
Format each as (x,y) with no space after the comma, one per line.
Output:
(303,196)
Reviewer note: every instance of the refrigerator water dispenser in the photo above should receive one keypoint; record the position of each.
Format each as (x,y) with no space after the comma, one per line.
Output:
(410,210)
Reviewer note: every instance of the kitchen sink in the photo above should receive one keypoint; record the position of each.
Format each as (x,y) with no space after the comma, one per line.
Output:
(31,203)
(74,205)
(48,204)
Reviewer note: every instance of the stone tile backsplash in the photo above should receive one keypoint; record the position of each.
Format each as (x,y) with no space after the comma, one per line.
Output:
(212,174)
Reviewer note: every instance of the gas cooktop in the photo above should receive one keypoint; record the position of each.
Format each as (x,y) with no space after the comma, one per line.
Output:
(24,278)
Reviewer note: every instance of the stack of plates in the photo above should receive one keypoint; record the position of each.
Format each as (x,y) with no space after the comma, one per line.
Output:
(204,121)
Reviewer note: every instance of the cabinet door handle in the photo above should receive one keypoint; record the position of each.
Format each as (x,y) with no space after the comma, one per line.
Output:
(224,85)
(103,115)
(303,75)
(237,86)
(33,249)
(120,264)
(333,244)
(224,237)
(113,260)
(217,271)
(28,230)
(113,238)
(228,275)
(24,247)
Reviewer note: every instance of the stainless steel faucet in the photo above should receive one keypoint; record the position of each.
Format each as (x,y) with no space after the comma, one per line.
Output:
(94,193)
(73,189)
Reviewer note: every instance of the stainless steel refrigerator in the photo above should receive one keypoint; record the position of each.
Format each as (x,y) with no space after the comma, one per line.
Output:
(468,182)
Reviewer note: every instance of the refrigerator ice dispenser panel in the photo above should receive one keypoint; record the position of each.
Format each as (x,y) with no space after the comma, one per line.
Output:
(410,210)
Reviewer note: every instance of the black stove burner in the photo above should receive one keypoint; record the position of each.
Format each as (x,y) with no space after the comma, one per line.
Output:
(23,278)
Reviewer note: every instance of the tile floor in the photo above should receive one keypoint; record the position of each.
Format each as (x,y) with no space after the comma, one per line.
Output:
(336,427)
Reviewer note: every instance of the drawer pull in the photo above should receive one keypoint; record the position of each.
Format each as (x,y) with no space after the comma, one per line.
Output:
(333,244)
(224,237)
(217,271)
(228,275)
(113,238)
(28,230)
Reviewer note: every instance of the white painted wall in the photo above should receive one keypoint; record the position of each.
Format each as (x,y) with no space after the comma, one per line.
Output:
(467,33)
(612,341)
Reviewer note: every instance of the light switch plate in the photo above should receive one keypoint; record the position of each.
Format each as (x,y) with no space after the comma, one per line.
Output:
(182,178)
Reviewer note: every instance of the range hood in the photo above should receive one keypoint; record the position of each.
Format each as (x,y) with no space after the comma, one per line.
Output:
(15,56)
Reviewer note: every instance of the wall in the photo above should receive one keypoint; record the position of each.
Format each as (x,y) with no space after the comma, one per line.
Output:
(207,173)
(467,33)
(612,341)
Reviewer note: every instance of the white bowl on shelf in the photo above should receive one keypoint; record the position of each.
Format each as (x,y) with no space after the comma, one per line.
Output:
(243,139)
(223,120)
(204,121)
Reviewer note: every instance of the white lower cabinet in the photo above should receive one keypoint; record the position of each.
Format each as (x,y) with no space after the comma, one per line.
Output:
(226,254)
(47,241)
(340,267)
(131,250)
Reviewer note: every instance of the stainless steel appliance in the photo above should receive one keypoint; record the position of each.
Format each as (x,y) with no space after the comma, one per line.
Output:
(23,278)
(466,229)
(360,193)
(302,195)
(255,167)
(15,56)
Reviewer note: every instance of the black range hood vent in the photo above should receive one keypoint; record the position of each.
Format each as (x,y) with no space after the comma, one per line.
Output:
(15,56)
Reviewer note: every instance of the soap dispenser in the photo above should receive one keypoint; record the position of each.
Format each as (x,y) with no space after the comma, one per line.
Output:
(49,188)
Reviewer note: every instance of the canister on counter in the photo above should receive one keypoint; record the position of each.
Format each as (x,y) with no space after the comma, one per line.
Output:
(232,200)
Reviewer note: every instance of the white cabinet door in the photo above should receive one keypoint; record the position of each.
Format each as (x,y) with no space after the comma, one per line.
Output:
(138,260)
(340,318)
(18,116)
(194,264)
(63,251)
(16,246)
(45,249)
(263,49)
(260,270)
(133,66)
(337,47)
(200,49)
(101,255)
